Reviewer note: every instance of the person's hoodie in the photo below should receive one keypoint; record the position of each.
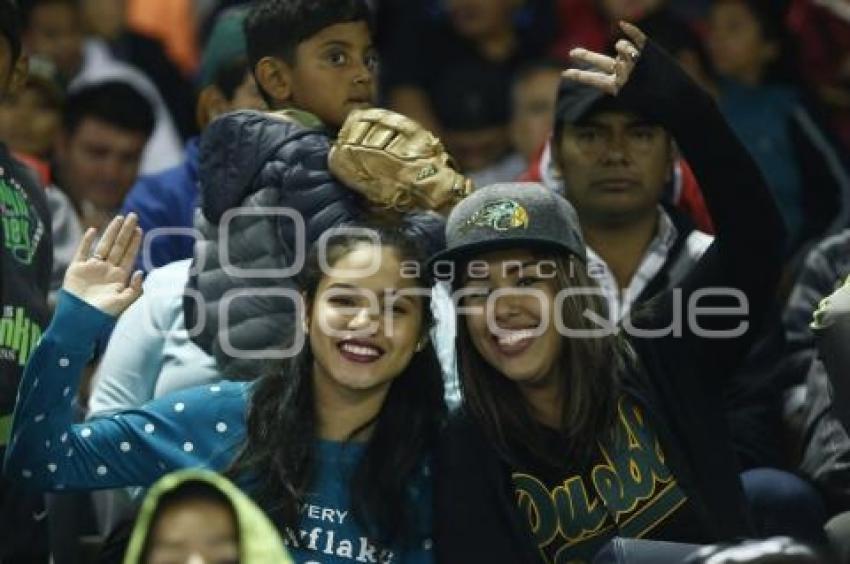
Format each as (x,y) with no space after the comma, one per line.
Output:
(259,542)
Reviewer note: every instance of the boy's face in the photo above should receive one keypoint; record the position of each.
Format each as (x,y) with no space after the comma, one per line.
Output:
(334,72)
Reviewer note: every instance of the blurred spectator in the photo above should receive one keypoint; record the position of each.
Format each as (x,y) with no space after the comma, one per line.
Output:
(53,31)
(454,77)
(107,19)
(169,199)
(534,91)
(30,124)
(105,129)
(197,516)
(761,98)
(30,120)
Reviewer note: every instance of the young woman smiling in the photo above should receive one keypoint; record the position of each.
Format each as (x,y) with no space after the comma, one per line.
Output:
(334,443)
(573,433)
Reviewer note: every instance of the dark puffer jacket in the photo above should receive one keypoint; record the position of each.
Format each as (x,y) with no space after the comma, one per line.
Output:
(258,161)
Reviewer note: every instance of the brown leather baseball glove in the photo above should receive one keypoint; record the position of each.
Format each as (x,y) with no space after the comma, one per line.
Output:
(395,163)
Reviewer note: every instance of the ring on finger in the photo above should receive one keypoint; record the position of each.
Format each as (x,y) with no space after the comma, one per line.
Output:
(97,256)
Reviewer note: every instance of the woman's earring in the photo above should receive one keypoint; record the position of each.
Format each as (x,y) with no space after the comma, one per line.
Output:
(420,346)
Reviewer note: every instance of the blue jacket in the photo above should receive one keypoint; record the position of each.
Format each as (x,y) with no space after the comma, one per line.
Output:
(167,199)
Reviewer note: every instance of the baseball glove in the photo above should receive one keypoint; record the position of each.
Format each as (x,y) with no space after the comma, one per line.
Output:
(395,163)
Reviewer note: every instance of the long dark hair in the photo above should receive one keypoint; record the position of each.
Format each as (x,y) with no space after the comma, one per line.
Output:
(591,368)
(278,457)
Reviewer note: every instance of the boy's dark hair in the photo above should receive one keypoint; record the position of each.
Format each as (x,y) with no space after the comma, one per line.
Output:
(230,76)
(27,7)
(274,28)
(114,102)
(10,27)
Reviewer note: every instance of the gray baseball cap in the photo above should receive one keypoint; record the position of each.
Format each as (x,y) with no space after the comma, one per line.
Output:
(509,215)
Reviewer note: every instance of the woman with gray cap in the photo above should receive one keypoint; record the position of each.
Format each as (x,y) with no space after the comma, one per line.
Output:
(574,430)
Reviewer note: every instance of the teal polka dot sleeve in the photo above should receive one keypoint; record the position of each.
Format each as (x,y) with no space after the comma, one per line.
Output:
(198,427)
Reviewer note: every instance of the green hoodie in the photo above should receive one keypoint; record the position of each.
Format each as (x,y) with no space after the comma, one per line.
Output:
(259,541)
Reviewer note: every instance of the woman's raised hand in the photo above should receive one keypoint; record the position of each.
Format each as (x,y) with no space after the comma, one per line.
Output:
(102,278)
(609,74)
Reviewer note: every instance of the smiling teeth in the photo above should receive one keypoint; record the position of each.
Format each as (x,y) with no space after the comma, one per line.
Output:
(359,350)
(514,337)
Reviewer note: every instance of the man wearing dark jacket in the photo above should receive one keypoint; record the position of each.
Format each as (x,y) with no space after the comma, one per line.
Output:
(25,262)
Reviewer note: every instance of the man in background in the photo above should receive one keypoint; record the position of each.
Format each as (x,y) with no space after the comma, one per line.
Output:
(105,129)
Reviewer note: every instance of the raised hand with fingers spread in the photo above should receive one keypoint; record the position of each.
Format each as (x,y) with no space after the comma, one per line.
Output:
(607,73)
(103,278)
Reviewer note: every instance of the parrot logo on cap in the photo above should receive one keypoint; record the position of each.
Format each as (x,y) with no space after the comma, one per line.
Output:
(500,215)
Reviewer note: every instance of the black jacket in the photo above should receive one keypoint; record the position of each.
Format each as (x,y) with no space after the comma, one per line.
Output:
(681,383)
(257,161)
